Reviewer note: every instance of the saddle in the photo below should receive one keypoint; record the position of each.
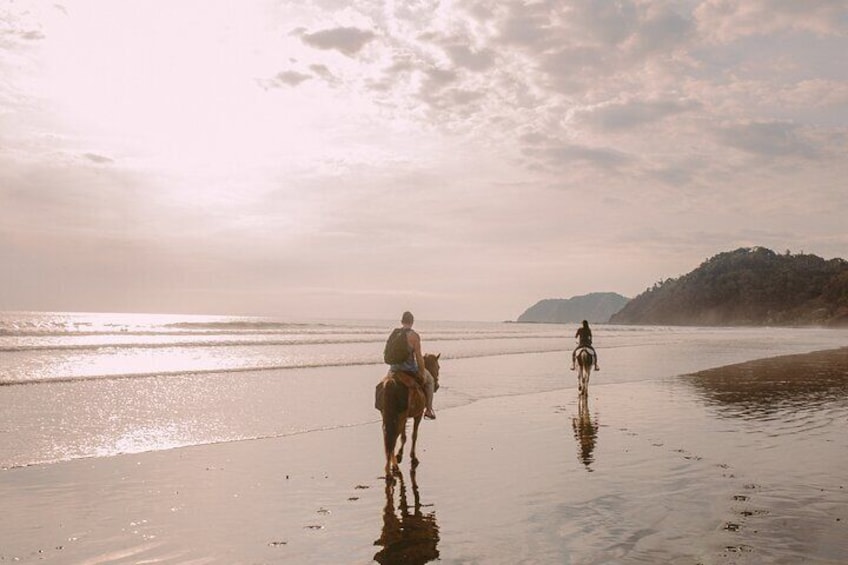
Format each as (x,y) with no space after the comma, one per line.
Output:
(417,400)
(587,348)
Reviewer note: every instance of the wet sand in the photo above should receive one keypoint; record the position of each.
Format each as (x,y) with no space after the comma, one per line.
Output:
(743,464)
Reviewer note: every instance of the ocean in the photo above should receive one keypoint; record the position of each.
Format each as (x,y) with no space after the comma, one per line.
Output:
(77,385)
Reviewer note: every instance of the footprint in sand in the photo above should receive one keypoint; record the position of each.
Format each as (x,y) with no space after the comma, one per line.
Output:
(358,487)
(749,513)
(739,548)
(725,467)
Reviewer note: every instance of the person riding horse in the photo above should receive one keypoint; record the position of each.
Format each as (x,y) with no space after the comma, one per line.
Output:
(414,363)
(584,335)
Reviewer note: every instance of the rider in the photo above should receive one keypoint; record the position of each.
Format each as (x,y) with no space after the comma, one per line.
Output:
(584,335)
(414,364)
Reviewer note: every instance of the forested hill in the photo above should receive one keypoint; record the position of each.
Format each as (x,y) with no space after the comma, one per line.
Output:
(749,286)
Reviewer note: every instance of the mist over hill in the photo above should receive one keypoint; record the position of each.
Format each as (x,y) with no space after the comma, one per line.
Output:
(748,286)
(596,307)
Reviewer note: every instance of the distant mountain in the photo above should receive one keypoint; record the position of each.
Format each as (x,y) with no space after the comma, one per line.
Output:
(596,307)
(748,286)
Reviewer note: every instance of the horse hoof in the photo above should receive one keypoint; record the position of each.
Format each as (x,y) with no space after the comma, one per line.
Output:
(400,458)
(415,462)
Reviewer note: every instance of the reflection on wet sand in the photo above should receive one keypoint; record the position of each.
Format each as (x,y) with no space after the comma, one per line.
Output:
(585,432)
(767,387)
(407,537)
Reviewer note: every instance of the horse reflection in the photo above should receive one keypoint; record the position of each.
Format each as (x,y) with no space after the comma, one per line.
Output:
(407,537)
(585,432)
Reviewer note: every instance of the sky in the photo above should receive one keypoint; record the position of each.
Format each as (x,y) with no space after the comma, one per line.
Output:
(354,159)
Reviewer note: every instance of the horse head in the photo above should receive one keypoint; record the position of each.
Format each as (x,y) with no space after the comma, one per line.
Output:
(431,363)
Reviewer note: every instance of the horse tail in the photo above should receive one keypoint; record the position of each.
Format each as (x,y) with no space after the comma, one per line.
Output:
(395,399)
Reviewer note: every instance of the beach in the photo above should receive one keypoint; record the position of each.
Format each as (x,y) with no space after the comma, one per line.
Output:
(740,464)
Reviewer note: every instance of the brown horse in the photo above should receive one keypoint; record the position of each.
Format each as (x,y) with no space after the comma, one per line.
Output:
(397,405)
(585,361)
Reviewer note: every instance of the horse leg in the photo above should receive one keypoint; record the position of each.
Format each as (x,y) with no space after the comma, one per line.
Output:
(390,440)
(417,421)
(402,429)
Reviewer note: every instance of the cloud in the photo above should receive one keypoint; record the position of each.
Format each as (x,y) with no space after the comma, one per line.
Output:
(661,29)
(284,79)
(566,154)
(346,40)
(68,196)
(99,159)
(33,35)
(19,29)
(291,78)
(582,50)
(604,23)
(527,25)
(574,69)
(767,139)
(728,20)
(616,116)
(439,78)
(324,73)
(676,175)
(464,56)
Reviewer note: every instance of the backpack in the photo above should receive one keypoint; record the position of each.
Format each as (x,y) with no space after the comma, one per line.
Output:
(397,347)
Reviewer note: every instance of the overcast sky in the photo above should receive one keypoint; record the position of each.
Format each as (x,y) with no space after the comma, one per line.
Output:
(358,158)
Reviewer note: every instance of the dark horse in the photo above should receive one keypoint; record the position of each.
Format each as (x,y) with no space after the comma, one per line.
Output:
(397,405)
(585,360)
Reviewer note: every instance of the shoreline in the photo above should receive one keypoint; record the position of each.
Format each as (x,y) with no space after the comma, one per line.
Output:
(664,471)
